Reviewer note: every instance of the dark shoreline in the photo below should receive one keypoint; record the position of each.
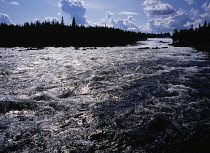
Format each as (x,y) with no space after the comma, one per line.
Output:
(49,34)
(203,48)
(198,37)
(199,48)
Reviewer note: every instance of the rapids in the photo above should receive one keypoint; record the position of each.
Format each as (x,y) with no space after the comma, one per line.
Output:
(150,97)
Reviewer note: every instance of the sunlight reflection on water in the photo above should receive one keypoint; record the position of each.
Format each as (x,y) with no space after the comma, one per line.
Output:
(122,98)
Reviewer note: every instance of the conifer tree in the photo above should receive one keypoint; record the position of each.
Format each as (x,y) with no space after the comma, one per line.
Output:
(199,27)
(205,24)
(73,22)
(62,21)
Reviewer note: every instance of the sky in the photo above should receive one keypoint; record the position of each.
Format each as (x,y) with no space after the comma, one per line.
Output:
(135,15)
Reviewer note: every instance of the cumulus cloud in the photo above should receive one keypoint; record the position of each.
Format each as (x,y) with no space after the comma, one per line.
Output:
(125,24)
(180,19)
(198,16)
(14,3)
(74,8)
(157,8)
(190,1)
(177,21)
(109,15)
(4,18)
(160,24)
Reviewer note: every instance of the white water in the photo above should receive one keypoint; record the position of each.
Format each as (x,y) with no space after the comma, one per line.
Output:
(57,93)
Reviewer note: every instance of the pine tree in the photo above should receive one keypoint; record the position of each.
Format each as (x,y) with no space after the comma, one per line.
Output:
(191,27)
(73,22)
(199,27)
(205,24)
(62,21)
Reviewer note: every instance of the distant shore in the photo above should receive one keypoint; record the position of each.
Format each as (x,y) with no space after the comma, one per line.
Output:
(50,34)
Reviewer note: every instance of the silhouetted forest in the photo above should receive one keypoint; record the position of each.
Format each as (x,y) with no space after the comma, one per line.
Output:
(60,35)
(155,35)
(199,38)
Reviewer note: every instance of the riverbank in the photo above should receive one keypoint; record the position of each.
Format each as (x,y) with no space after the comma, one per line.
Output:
(197,38)
(205,48)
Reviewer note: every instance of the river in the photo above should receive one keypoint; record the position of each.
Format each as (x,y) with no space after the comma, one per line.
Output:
(150,97)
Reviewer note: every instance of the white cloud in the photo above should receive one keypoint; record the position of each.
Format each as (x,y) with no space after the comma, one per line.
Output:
(131,18)
(194,12)
(51,19)
(157,8)
(14,3)
(4,18)
(205,16)
(180,19)
(161,24)
(190,1)
(39,20)
(164,18)
(206,6)
(166,24)
(74,8)
(196,16)
(125,24)
(127,13)
(59,14)
(109,14)
(193,23)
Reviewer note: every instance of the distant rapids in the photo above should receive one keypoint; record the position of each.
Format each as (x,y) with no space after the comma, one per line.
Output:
(147,98)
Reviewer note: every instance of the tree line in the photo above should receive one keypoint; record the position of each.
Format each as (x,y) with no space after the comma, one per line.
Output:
(57,34)
(198,38)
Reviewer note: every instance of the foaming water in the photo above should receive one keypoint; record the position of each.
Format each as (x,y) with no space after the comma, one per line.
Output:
(151,97)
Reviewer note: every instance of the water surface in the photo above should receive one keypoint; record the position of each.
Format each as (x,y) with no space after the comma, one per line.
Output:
(151,97)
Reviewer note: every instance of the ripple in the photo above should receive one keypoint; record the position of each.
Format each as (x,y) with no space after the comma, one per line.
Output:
(119,99)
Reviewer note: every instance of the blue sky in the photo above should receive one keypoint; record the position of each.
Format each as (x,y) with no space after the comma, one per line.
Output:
(136,15)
